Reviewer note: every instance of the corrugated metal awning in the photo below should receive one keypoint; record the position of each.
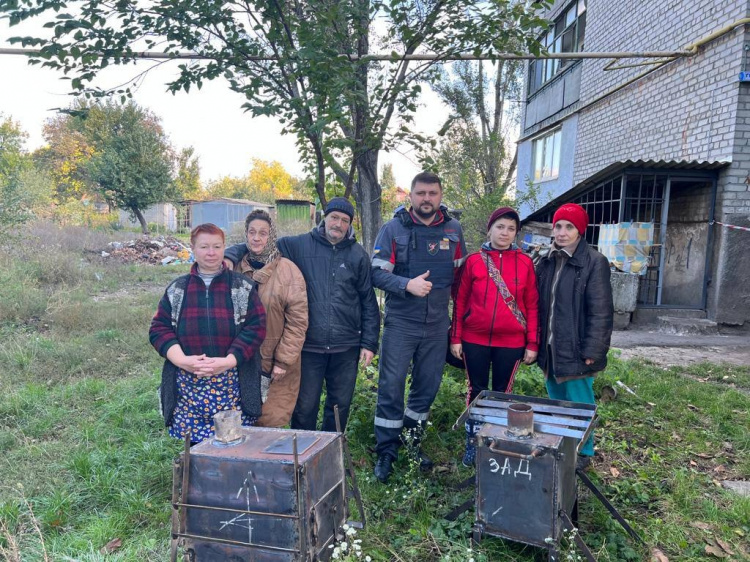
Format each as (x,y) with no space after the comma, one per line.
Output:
(618,167)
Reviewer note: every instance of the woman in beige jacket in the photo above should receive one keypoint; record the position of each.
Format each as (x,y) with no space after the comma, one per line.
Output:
(283,293)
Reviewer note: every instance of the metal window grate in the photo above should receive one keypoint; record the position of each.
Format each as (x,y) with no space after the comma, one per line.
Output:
(602,203)
(644,202)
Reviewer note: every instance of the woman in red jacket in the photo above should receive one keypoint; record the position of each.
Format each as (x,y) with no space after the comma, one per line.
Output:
(496,315)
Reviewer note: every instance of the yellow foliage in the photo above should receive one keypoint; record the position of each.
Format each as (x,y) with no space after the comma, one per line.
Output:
(75,212)
(266,182)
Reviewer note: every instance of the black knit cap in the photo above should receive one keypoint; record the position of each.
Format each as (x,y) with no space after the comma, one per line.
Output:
(342,205)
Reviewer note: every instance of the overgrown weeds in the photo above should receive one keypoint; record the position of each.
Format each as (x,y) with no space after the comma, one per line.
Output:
(80,432)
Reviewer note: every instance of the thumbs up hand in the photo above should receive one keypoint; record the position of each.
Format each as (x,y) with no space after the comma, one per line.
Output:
(419,286)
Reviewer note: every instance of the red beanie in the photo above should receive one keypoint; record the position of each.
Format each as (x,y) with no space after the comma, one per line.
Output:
(572,213)
(503,211)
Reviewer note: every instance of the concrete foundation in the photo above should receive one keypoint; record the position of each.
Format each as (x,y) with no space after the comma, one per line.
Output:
(624,291)
(687,326)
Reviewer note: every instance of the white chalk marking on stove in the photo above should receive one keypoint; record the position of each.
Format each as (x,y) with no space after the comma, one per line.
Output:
(521,470)
(506,467)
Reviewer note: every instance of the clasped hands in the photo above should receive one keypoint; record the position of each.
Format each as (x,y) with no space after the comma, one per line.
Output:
(204,366)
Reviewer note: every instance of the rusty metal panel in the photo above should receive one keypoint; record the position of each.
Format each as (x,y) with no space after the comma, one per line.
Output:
(256,501)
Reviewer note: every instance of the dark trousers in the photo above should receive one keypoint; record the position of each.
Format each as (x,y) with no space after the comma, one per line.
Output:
(406,343)
(504,361)
(339,372)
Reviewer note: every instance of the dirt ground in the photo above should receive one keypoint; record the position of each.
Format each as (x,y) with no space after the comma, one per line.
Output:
(668,350)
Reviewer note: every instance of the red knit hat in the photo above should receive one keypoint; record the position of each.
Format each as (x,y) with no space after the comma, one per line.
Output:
(499,213)
(572,213)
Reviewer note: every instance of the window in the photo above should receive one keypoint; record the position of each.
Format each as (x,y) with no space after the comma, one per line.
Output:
(546,155)
(566,35)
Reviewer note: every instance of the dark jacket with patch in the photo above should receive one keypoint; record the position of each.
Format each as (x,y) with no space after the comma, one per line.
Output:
(406,248)
(583,314)
(343,311)
(228,317)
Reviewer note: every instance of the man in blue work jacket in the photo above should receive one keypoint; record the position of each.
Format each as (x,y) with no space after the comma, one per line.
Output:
(415,257)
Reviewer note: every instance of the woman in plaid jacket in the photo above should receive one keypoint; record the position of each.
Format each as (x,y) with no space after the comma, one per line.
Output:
(208,327)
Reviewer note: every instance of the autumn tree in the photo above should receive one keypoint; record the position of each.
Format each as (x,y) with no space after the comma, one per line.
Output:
(119,152)
(64,158)
(22,186)
(265,182)
(188,177)
(309,63)
(265,177)
(232,188)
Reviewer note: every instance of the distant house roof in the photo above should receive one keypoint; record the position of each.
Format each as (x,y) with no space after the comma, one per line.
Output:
(293,202)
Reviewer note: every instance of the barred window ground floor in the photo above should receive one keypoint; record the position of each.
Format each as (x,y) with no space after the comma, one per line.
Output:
(680,204)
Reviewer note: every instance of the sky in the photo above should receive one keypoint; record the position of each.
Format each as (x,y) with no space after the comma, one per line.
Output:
(210,120)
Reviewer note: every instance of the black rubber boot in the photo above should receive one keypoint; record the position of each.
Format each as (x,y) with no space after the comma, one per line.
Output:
(383,468)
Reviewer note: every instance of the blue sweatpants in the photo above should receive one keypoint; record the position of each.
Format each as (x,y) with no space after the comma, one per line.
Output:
(577,390)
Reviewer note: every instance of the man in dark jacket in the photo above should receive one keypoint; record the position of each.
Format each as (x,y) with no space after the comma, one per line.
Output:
(415,257)
(344,318)
(576,313)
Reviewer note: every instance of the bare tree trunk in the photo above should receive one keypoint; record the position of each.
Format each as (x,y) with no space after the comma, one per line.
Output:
(511,169)
(320,175)
(141,219)
(367,195)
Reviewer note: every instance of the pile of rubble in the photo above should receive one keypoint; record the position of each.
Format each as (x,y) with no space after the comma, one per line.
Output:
(160,250)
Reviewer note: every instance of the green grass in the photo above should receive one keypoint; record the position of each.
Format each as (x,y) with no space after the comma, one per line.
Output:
(85,459)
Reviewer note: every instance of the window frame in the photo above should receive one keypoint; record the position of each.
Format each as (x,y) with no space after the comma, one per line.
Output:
(542,71)
(550,140)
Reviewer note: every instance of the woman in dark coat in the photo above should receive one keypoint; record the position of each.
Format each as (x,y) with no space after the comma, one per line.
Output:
(575,313)
(208,327)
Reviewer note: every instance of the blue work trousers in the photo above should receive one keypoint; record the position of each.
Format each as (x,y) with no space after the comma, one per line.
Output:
(407,343)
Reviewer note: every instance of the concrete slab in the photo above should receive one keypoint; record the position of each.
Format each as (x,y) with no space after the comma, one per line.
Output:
(646,316)
(687,326)
(672,349)
(740,487)
(639,338)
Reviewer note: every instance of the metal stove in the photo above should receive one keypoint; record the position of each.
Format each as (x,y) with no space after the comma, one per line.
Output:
(526,466)
(263,495)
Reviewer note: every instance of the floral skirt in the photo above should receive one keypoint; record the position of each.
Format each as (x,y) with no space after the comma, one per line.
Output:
(200,398)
